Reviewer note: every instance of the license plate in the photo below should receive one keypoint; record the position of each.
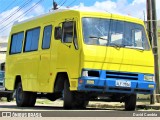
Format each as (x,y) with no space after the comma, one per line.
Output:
(90,82)
(123,83)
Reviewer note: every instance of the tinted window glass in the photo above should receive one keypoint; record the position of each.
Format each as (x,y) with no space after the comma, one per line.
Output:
(28,41)
(16,43)
(19,42)
(67,32)
(13,44)
(47,37)
(35,39)
(32,38)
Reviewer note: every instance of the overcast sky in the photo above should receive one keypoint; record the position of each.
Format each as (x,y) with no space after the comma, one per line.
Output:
(13,10)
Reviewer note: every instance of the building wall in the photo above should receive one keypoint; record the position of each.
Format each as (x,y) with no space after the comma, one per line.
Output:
(3,48)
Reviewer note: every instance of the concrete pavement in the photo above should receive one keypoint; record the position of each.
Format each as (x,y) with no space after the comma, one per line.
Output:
(141,104)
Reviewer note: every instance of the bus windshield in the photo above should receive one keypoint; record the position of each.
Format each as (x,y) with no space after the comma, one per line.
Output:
(108,32)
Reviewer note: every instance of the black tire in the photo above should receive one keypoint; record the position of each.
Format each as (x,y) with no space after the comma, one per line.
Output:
(72,99)
(68,96)
(23,98)
(32,99)
(130,102)
(82,104)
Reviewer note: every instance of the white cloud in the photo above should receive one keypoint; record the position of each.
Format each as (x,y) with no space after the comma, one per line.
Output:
(136,8)
(106,5)
(38,10)
(6,20)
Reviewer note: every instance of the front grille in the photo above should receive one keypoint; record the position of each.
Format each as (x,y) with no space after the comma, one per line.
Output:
(94,87)
(122,89)
(142,90)
(121,75)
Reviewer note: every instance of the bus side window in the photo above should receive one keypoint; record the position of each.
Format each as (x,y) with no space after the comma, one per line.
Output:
(32,39)
(16,43)
(47,33)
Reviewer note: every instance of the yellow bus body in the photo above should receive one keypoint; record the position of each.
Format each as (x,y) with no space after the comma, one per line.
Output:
(38,69)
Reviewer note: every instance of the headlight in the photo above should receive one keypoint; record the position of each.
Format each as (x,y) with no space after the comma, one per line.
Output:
(148,77)
(90,73)
(85,73)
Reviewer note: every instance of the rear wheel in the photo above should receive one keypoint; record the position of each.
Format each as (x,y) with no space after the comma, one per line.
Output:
(23,98)
(130,102)
(32,99)
(10,97)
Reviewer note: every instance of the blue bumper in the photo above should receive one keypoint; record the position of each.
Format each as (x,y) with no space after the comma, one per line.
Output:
(107,82)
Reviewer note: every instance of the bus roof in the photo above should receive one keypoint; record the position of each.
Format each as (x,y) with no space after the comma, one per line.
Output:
(76,10)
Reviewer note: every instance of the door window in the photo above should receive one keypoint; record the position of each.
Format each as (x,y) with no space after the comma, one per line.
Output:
(69,33)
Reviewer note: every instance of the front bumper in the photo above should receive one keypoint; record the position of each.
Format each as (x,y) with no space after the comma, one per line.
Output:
(104,84)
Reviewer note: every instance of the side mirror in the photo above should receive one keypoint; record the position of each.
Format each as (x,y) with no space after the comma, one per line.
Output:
(58,33)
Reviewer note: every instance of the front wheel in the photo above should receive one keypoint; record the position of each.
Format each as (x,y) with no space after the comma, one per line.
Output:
(72,99)
(68,96)
(82,104)
(130,102)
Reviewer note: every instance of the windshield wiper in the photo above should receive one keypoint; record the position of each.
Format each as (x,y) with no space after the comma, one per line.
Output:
(136,48)
(116,45)
(98,37)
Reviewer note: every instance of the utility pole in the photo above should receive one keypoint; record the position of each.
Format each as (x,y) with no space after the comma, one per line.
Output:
(150,31)
(149,22)
(152,26)
(155,48)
